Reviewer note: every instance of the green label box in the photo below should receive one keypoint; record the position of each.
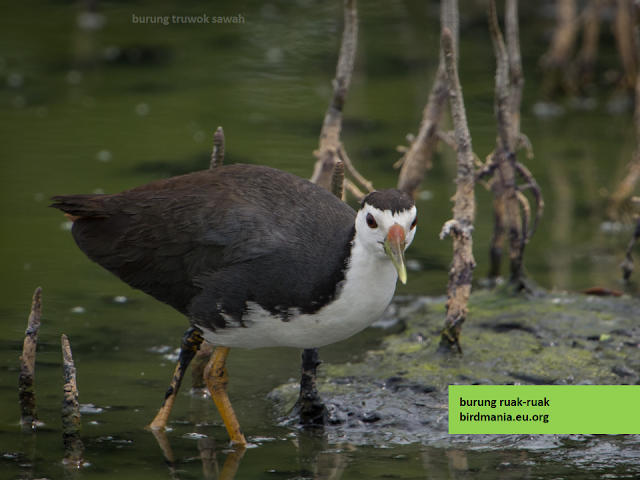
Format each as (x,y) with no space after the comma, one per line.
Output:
(552,409)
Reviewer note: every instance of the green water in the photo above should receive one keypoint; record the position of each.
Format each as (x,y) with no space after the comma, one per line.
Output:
(108,109)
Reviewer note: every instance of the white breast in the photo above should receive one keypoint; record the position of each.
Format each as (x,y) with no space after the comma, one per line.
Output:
(367,290)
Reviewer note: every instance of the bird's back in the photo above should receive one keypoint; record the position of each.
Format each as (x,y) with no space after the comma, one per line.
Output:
(213,242)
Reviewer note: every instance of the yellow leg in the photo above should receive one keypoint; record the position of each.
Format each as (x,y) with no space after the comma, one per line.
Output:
(191,342)
(215,375)
(163,415)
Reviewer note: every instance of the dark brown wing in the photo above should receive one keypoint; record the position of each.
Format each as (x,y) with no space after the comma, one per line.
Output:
(211,241)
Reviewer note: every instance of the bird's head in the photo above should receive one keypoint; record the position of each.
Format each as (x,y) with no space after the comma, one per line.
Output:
(386,225)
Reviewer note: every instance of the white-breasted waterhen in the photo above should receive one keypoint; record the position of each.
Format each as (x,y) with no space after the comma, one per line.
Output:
(253,256)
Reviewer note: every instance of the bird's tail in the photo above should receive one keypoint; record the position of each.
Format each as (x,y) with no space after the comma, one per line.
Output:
(79,206)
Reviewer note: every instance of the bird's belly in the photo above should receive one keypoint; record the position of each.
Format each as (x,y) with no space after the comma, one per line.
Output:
(355,308)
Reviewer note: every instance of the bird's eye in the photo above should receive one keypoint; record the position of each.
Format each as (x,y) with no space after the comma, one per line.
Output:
(371,221)
(414,223)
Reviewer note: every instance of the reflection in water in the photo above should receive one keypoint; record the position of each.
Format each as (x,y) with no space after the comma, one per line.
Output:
(208,455)
(561,256)
(163,442)
(200,407)
(28,446)
(319,460)
(458,461)
(210,467)
(231,464)
(448,465)
(458,464)
(316,460)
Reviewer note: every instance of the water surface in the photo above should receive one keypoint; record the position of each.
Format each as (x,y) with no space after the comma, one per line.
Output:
(111,108)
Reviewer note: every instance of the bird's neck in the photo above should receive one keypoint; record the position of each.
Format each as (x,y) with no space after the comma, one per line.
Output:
(370,280)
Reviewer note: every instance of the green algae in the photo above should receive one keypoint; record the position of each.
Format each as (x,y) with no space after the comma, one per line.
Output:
(557,338)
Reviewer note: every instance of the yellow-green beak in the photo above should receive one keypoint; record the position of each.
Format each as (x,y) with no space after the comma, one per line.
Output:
(394,248)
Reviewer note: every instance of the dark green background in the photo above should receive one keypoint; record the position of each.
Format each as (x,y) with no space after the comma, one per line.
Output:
(67,94)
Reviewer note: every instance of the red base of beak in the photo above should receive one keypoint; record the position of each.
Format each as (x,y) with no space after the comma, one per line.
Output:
(396,235)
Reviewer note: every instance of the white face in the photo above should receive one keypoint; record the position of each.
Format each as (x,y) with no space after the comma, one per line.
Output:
(373,238)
